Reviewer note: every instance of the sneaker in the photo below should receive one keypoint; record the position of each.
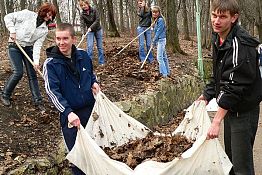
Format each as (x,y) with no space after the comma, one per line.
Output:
(5,101)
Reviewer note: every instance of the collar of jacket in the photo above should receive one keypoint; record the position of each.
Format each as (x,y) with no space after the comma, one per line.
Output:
(238,32)
(58,57)
(87,12)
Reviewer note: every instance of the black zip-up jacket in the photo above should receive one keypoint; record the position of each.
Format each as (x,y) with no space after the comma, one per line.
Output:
(145,18)
(236,81)
(90,19)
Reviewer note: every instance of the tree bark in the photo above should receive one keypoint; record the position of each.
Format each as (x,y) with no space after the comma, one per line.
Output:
(112,25)
(9,6)
(2,8)
(102,15)
(121,11)
(58,17)
(22,4)
(172,29)
(185,21)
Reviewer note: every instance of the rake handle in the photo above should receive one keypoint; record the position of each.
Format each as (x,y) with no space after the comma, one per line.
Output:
(28,58)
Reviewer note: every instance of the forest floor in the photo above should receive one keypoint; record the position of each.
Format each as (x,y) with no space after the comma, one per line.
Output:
(27,133)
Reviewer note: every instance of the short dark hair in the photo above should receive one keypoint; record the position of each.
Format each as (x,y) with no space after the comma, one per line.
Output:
(225,5)
(45,8)
(66,26)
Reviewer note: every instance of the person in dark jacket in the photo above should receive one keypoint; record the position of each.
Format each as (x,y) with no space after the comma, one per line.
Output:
(90,22)
(70,83)
(145,16)
(236,85)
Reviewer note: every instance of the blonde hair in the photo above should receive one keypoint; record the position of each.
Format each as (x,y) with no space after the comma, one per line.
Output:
(158,9)
(81,2)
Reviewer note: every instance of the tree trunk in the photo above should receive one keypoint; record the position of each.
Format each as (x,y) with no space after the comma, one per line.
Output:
(38,3)
(22,4)
(172,29)
(58,17)
(9,6)
(2,8)
(112,25)
(121,11)
(127,19)
(133,17)
(259,20)
(102,15)
(185,21)
(259,29)
(205,30)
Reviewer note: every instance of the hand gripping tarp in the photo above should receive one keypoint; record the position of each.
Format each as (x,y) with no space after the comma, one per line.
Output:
(204,157)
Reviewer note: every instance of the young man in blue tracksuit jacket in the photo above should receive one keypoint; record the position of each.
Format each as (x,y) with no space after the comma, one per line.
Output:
(70,83)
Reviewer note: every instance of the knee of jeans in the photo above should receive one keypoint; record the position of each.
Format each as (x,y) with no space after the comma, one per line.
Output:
(18,75)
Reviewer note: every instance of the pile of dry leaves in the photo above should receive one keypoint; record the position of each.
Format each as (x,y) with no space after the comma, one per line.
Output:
(162,147)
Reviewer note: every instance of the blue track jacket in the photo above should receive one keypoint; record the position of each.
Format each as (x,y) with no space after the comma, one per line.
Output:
(67,91)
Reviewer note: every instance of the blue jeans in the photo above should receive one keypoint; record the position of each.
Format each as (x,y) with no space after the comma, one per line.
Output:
(239,136)
(145,36)
(162,57)
(17,59)
(99,43)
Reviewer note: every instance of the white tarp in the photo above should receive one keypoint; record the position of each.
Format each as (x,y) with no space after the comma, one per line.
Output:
(110,126)
(204,157)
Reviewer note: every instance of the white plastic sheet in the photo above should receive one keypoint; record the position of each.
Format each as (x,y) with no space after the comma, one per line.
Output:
(204,157)
(110,126)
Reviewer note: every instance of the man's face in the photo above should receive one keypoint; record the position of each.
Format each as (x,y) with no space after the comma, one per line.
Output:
(222,21)
(64,41)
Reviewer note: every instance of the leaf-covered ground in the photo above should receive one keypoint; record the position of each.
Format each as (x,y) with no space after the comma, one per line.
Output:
(27,133)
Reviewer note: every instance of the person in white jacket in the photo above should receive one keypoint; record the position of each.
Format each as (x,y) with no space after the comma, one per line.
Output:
(29,30)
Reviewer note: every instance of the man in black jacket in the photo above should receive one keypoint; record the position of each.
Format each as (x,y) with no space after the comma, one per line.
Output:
(236,85)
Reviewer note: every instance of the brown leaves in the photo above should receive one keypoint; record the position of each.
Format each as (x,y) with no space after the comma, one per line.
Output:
(158,148)
(154,147)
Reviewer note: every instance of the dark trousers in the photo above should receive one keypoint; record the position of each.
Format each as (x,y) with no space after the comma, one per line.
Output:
(239,136)
(17,59)
(71,133)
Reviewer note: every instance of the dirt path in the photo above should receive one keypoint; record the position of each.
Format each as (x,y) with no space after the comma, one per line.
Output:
(257,146)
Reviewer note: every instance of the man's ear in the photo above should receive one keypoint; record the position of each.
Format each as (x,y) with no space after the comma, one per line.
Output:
(234,18)
(74,39)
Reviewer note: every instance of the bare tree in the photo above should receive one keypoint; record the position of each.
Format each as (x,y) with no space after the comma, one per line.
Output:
(58,17)
(22,4)
(172,29)
(9,6)
(185,20)
(2,8)
(121,11)
(112,25)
